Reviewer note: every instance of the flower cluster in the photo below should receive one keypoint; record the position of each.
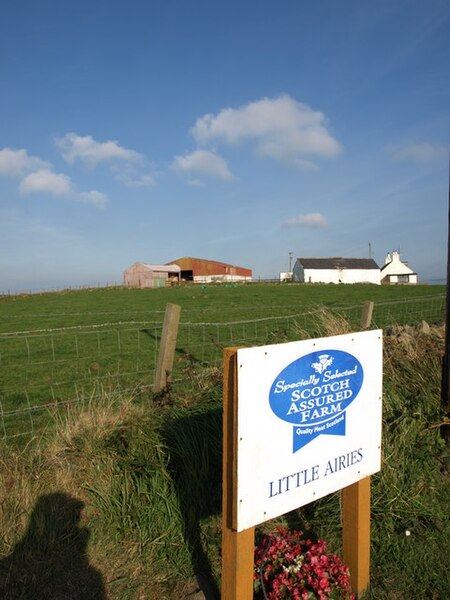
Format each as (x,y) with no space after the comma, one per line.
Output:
(288,567)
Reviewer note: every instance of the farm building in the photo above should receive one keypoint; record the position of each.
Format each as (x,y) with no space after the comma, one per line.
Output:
(395,270)
(286,276)
(201,270)
(144,275)
(336,270)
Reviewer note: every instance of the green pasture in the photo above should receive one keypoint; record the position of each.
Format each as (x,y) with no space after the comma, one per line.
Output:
(199,303)
(68,347)
(148,477)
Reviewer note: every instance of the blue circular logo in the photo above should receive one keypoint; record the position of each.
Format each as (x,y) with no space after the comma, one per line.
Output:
(316,388)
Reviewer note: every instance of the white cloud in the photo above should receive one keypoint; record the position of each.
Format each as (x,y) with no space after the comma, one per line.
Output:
(90,152)
(137,181)
(97,199)
(202,162)
(128,175)
(196,183)
(418,152)
(18,162)
(46,181)
(38,177)
(127,165)
(313,220)
(304,165)
(281,128)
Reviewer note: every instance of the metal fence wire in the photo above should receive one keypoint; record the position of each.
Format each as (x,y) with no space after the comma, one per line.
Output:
(43,372)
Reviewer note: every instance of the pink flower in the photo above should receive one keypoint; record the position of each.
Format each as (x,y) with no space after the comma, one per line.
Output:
(290,567)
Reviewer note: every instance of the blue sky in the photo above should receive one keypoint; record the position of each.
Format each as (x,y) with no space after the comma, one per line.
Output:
(235,131)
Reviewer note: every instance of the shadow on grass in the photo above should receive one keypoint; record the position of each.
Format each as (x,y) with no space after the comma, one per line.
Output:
(195,445)
(185,356)
(50,561)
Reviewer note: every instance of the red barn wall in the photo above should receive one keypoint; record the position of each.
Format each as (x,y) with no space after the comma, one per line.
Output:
(203,267)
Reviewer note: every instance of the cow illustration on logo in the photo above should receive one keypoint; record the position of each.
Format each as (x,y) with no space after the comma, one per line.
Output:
(314,392)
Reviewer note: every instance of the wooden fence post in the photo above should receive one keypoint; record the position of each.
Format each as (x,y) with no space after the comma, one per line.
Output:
(366,319)
(167,346)
(237,547)
(356,513)
(356,533)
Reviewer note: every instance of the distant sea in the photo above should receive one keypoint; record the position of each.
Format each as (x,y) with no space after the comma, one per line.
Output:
(442,281)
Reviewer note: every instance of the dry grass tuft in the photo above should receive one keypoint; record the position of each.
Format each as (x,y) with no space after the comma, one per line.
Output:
(89,423)
(332,323)
(323,323)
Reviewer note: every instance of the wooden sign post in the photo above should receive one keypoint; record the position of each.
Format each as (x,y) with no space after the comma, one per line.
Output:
(237,547)
(356,533)
(257,488)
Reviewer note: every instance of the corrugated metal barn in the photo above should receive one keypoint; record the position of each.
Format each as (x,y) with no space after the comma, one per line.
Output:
(144,275)
(201,270)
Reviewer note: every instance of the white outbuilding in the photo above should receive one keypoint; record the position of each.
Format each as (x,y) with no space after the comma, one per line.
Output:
(336,270)
(395,270)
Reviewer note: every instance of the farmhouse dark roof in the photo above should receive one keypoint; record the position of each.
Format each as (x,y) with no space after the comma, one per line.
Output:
(338,263)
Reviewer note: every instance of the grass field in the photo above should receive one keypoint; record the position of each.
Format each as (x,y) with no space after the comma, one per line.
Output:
(199,303)
(122,498)
(59,348)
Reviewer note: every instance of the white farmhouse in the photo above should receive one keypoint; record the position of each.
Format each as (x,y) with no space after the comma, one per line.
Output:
(336,270)
(286,276)
(397,271)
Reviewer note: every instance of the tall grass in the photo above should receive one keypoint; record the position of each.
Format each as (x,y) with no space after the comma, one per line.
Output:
(412,491)
(111,458)
(131,487)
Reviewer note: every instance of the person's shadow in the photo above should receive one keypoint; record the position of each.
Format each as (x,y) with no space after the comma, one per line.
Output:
(194,442)
(50,561)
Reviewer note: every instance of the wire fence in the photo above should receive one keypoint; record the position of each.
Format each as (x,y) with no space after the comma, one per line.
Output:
(44,371)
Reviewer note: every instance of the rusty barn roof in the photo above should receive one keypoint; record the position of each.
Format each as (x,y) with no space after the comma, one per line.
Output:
(203,266)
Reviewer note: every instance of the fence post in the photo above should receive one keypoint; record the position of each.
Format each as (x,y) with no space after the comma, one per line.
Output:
(237,547)
(366,319)
(356,533)
(167,346)
(356,513)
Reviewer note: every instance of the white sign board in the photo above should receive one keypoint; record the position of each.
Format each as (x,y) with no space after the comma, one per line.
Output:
(309,421)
